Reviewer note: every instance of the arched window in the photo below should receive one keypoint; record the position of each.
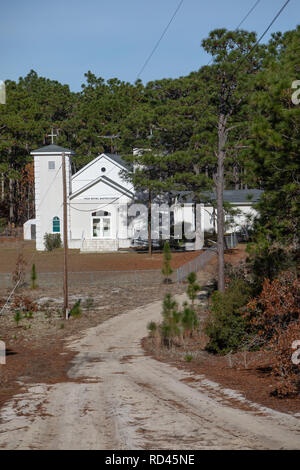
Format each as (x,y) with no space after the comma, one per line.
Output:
(56,225)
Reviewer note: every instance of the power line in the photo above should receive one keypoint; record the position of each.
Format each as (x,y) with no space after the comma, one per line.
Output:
(248,14)
(242,21)
(262,36)
(99,203)
(157,44)
(43,198)
(273,21)
(257,43)
(160,39)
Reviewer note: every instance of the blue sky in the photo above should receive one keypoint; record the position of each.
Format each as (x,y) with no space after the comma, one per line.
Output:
(63,39)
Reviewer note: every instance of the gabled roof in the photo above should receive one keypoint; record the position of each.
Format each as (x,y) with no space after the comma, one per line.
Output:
(111,156)
(106,180)
(52,149)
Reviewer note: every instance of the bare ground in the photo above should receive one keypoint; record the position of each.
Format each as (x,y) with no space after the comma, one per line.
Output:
(112,395)
(53,261)
(36,347)
(116,397)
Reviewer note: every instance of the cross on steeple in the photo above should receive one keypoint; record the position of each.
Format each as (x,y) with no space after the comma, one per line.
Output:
(52,135)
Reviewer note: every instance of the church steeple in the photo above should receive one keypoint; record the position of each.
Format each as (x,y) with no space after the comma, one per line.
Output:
(48,179)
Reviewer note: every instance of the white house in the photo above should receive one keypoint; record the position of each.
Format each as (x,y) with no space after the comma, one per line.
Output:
(100,212)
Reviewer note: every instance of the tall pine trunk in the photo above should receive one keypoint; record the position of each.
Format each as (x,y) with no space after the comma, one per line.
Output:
(220,210)
(2,187)
(11,200)
(149,224)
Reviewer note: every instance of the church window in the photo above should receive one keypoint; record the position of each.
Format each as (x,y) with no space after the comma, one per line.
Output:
(56,225)
(103,169)
(51,165)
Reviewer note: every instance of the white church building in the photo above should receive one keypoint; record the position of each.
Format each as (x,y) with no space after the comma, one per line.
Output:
(99,200)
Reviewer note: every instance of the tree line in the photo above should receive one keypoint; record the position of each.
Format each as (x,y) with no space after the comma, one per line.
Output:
(231,124)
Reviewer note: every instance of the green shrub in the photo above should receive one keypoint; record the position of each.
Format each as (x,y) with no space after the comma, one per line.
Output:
(52,241)
(152,327)
(193,288)
(76,310)
(28,315)
(189,319)
(33,277)
(170,326)
(17,317)
(226,327)
(266,261)
(188,357)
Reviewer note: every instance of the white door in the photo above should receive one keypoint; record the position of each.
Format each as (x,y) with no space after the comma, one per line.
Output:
(101,224)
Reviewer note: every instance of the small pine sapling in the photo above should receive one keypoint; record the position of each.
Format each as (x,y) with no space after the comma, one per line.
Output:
(76,310)
(188,357)
(170,327)
(169,306)
(189,319)
(28,315)
(152,327)
(166,269)
(17,317)
(193,288)
(33,277)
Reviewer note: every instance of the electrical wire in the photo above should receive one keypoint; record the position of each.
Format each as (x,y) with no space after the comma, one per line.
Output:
(241,22)
(248,14)
(247,56)
(146,62)
(159,40)
(257,42)
(156,46)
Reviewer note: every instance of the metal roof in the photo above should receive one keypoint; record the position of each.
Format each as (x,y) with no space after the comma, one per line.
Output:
(118,159)
(52,149)
(233,196)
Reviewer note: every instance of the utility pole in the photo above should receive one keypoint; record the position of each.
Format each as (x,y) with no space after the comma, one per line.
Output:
(65,216)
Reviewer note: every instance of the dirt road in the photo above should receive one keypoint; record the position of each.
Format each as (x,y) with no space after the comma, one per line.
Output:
(118,398)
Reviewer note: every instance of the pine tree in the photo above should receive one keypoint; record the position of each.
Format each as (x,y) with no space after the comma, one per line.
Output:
(235,63)
(193,287)
(167,269)
(275,143)
(33,277)
(147,177)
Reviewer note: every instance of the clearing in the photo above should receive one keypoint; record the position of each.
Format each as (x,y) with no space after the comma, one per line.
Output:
(53,261)
(116,397)
(87,383)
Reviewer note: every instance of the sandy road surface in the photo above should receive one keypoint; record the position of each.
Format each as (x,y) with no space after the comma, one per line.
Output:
(122,399)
